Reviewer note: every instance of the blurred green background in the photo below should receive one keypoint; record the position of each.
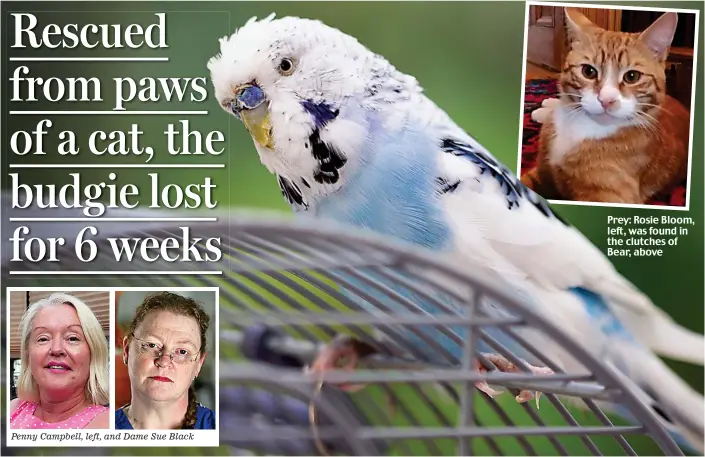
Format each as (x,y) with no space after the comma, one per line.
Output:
(467,56)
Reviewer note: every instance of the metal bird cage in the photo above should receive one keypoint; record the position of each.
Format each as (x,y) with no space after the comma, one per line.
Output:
(288,287)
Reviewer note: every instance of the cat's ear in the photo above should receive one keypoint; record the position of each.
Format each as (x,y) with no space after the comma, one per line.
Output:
(659,35)
(577,25)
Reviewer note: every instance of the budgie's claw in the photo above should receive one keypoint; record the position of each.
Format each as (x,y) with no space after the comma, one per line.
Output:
(344,352)
(506,366)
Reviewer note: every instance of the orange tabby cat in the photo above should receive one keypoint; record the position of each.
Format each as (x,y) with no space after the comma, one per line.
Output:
(614,135)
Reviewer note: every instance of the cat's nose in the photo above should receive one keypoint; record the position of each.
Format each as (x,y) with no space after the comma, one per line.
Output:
(608,101)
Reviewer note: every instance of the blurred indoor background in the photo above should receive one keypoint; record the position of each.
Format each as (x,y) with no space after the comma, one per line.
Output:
(126,305)
(97,301)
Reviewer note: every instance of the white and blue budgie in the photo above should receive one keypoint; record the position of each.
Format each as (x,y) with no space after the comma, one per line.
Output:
(351,139)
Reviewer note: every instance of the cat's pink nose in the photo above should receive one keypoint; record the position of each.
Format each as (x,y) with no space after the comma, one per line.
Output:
(607,102)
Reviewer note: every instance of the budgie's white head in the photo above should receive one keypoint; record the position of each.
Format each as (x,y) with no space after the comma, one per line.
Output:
(304,91)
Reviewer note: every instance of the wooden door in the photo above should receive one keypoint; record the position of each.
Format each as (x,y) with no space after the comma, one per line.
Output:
(545,36)
(547,45)
(604,18)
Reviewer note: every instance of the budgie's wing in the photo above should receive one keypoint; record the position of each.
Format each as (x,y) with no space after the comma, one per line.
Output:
(572,281)
(525,236)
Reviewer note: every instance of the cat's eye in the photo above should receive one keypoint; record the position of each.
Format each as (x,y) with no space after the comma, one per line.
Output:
(286,66)
(589,71)
(631,76)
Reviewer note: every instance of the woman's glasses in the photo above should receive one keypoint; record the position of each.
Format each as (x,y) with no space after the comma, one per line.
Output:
(155,351)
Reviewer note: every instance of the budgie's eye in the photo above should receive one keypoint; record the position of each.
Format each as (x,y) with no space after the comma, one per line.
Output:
(286,66)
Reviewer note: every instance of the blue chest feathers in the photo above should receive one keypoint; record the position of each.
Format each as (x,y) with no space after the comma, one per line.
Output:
(393,191)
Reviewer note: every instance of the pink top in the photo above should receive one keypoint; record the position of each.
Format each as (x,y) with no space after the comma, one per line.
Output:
(23,417)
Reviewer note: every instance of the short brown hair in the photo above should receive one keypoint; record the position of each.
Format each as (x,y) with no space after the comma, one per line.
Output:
(173,303)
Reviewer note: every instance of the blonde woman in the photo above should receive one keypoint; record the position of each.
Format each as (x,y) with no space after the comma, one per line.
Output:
(63,383)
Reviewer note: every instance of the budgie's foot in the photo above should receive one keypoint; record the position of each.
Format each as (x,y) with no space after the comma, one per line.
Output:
(506,366)
(343,352)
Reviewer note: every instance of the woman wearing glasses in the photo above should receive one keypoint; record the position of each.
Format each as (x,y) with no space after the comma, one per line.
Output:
(164,349)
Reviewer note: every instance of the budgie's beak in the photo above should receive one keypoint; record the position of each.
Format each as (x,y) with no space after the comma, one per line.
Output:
(253,109)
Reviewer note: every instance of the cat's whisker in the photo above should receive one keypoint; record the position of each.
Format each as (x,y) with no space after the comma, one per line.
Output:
(572,106)
(644,127)
(569,95)
(574,110)
(647,104)
(659,107)
(641,113)
(642,117)
(648,123)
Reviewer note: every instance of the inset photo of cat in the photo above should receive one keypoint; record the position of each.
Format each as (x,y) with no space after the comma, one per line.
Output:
(607,104)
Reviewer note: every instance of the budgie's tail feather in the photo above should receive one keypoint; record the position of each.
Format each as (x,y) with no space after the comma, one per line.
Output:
(664,336)
(651,325)
(675,342)
(680,409)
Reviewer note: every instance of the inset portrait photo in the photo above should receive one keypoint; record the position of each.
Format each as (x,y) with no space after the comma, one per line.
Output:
(607,104)
(59,359)
(166,357)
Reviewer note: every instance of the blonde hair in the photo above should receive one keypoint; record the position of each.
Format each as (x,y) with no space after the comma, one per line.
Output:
(97,387)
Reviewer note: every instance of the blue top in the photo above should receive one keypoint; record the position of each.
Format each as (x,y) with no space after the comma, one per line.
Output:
(205,419)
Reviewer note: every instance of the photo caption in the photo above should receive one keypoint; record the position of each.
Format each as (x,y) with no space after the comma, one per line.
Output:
(645,236)
(116,438)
